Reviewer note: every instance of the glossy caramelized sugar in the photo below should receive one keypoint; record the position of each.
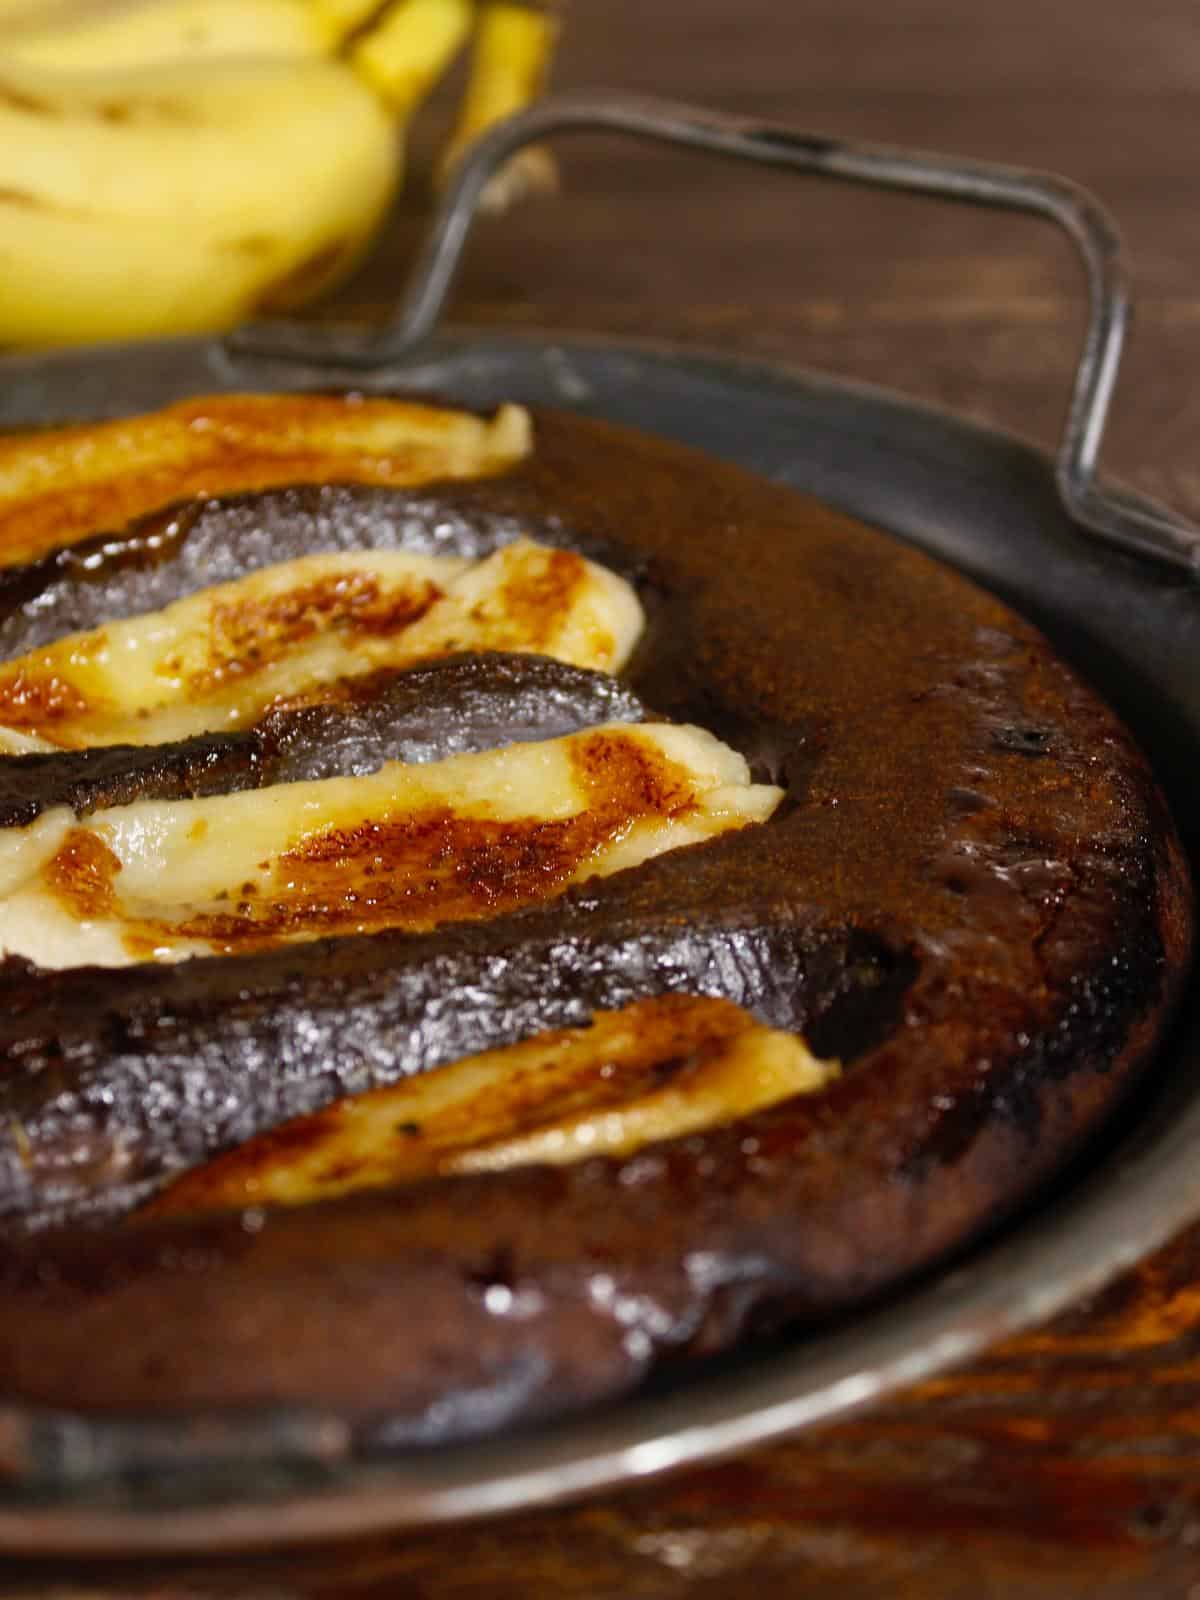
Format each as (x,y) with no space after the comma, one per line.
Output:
(970,895)
(300,630)
(655,1070)
(61,485)
(406,847)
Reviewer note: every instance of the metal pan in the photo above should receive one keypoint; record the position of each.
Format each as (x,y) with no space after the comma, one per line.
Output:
(1045,537)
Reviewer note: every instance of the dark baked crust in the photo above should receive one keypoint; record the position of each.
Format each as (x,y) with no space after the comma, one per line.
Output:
(449,707)
(973,890)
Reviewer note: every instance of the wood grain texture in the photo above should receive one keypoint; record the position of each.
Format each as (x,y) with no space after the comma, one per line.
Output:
(1067,1463)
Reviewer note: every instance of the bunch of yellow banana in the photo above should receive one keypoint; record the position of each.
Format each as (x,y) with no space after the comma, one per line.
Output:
(176,166)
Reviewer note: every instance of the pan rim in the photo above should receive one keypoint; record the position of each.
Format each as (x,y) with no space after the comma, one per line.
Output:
(1037,1266)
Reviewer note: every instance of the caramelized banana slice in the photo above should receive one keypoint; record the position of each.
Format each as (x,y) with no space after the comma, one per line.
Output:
(404,847)
(288,633)
(58,485)
(656,1070)
(458,705)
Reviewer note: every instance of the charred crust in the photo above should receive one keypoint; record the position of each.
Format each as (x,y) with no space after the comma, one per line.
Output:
(974,896)
(115,775)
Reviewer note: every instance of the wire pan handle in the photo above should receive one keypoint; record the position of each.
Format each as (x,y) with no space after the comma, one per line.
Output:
(1120,518)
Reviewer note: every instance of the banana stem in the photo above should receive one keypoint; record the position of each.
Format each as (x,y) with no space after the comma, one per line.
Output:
(511,59)
(407,52)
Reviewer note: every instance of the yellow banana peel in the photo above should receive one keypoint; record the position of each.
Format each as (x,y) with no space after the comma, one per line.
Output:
(179,166)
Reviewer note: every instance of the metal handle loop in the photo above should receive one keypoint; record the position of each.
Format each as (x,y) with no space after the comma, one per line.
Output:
(1120,518)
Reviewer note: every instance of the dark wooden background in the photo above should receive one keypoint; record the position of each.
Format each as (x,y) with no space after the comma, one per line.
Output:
(1067,1463)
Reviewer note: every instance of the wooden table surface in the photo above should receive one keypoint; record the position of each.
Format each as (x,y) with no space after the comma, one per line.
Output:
(1066,1463)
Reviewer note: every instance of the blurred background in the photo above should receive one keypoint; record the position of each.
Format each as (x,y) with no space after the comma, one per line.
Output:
(978,312)
(241,187)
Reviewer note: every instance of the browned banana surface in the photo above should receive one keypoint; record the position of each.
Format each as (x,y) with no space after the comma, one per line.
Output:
(455,706)
(640,1075)
(61,486)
